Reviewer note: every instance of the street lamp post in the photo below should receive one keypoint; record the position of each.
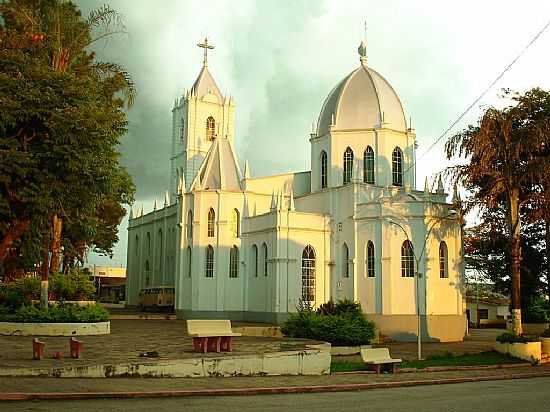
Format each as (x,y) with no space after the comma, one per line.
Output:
(418,275)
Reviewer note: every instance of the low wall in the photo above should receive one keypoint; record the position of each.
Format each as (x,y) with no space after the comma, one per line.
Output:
(530,351)
(347,350)
(534,328)
(55,329)
(259,331)
(435,328)
(314,360)
(71,302)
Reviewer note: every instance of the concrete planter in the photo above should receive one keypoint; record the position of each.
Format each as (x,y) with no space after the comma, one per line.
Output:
(347,350)
(68,302)
(545,345)
(55,329)
(530,351)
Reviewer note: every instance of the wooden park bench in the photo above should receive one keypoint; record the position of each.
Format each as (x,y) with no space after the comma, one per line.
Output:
(375,358)
(211,335)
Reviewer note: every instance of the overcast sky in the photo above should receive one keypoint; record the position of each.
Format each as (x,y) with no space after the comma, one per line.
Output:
(279,59)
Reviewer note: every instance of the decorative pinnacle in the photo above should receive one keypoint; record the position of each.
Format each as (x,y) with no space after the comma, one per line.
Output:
(206,47)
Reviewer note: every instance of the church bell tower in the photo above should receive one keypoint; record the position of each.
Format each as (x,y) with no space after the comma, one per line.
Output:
(200,116)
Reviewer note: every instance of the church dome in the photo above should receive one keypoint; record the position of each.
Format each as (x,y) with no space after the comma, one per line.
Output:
(362,100)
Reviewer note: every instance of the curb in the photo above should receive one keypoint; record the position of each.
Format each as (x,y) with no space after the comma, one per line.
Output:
(445,368)
(259,391)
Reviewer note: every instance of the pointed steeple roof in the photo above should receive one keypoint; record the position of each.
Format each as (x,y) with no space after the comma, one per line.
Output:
(205,84)
(219,170)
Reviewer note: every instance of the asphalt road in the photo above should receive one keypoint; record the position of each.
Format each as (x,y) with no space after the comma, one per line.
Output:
(531,395)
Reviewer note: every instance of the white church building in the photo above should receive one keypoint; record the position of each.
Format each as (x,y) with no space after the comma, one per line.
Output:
(250,248)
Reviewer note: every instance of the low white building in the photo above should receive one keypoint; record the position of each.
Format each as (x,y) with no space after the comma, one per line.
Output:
(249,248)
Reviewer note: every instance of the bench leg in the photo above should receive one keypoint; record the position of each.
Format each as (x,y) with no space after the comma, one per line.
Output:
(377,368)
(213,344)
(226,344)
(394,368)
(76,348)
(200,344)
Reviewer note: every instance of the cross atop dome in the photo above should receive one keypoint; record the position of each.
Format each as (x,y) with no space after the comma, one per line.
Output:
(206,47)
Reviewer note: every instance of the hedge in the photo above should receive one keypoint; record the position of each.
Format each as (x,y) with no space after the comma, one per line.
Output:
(64,313)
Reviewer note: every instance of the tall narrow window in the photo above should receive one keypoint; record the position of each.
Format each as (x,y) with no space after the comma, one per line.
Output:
(137,245)
(211,220)
(209,262)
(210,128)
(235,223)
(370,259)
(254,260)
(443,260)
(147,270)
(407,260)
(161,251)
(148,244)
(189,226)
(323,169)
(189,261)
(308,275)
(182,131)
(397,167)
(348,165)
(368,166)
(345,261)
(234,262)
(264,258)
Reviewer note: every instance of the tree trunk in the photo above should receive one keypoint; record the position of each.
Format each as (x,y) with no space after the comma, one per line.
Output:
(45,274)
(515,255)
(16,229)
(57,225)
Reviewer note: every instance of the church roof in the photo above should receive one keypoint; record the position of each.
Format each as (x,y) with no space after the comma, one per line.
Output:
(205,84)
(362,100)
(219,170)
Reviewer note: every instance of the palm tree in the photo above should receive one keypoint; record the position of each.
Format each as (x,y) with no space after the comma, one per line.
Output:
(504,156)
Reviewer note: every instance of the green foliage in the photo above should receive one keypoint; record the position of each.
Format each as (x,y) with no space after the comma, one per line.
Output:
(12,298)
(508,337)
(537,311)
(64,313)
(341,324)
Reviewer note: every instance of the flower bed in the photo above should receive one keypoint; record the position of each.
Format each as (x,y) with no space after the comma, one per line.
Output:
(521,347)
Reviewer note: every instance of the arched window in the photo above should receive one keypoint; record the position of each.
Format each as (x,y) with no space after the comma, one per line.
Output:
(189,226)
(345,261)
(323,169)
(368,166)
(182,130)
(407,260)
(137,245)
(189,261)
(211,220)
(370,259)
(161,251)
(147,273)
(235,223)
(234,262)
(210,128)
(264,258)
(148,244)
(397,167)
(443,260)
(308,275)
(209,262)
(254,262)
(348,165)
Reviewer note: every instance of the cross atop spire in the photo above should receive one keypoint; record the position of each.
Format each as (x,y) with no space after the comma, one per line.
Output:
(206,47)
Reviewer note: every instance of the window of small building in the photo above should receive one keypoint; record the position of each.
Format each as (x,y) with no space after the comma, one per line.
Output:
(397,167)
(209,262)
(370,259)
(323,169)
(348,165)
(210,128)
(234,262)
(483,313)
(407,260)
(308,275)
(211,220)
(368,166)
(443,261)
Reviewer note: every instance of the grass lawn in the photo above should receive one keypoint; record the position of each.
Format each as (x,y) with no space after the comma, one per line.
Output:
(447,359)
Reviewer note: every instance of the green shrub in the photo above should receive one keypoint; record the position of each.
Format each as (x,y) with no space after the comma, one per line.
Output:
(74,285)
(12,298)
(64,313)
(341,324)
(537,311)
(508,337)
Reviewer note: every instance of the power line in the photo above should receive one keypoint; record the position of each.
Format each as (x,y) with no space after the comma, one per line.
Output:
(508,67)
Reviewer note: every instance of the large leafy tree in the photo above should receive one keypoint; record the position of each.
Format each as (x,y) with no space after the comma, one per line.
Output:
(60,126)
(505,151)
